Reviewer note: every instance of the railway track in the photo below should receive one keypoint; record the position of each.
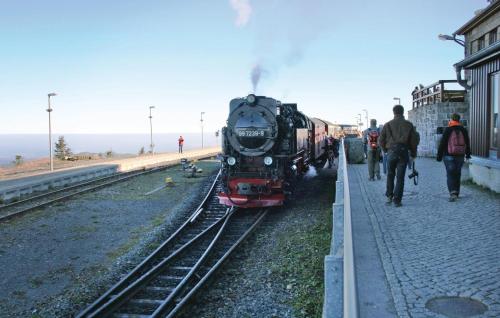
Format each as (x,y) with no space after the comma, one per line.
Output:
(163,283)
(20,207)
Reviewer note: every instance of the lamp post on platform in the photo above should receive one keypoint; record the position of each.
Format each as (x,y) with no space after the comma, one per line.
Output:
(201,121)
(151,145)
(366,116)
(49,110)
(445,37)
(360,121)
(398,99)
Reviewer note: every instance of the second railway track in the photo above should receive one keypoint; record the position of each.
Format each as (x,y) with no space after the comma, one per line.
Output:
(163,282)
(20,207)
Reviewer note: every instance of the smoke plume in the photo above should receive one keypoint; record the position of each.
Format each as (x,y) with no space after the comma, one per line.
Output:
(243,10)
(311,173)
(255,76)
(285,44)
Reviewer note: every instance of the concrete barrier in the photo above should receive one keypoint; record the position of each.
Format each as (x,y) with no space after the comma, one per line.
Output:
(340,299)
(15,189)
(163,159)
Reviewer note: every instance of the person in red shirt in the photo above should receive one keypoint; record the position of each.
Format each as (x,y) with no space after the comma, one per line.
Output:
(181,143)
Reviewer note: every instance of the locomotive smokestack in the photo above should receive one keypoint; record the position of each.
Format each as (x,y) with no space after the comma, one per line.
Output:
(255,76)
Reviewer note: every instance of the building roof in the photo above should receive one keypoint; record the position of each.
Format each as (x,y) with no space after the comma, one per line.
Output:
(491,9)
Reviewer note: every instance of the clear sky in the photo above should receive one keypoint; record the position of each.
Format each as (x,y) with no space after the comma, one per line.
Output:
(109,60)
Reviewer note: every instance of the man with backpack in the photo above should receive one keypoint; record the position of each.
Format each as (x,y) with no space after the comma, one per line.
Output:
(370,139)
(398,139)
(454,146)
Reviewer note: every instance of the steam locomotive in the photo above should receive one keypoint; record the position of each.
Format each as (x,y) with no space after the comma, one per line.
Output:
(267,145)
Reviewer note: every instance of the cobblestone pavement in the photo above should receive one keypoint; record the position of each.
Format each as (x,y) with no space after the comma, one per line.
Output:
(431,247)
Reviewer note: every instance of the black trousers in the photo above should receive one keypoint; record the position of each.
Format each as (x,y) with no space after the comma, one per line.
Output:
(453,166)
(397,159)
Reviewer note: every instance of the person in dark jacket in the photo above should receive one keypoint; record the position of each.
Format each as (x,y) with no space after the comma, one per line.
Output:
(454,161)
(399,140)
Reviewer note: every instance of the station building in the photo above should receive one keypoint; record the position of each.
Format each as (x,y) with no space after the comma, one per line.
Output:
(431,109)
(482,81)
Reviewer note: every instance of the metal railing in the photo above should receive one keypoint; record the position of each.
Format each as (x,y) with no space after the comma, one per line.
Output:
(436,93)
(340,280)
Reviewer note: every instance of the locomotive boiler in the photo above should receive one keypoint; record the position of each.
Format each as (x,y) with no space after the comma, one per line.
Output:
(266,146)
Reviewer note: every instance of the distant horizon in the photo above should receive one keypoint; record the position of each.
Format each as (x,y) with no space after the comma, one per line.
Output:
(108,133)
(35,146)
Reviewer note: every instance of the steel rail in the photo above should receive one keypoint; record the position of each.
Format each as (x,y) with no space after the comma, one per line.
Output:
(148,262)
(216,266)
(125,295)
(136,301)
(163,307)
(74,186)
(125,176)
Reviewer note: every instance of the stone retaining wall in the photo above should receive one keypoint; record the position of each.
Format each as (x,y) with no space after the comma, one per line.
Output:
(427,119)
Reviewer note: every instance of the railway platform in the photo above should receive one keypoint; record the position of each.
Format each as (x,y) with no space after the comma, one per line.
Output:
(430,257)
(13,189)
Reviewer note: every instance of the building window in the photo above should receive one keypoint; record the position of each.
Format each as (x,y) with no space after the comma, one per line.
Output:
(480,43)
(494,105)
(493,36)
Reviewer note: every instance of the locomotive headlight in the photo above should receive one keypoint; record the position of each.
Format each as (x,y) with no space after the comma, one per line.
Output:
(231,161)
(294,167)
(268,161)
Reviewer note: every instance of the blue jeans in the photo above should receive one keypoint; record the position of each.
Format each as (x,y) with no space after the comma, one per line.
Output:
(397,159)
(453,166)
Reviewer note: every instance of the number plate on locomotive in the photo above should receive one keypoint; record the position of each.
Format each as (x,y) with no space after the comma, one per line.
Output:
(251,133)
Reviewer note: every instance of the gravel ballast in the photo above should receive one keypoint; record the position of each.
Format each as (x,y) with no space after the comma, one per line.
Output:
(58,259)
(278,271)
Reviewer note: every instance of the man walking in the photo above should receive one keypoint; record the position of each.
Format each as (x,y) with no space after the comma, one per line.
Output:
(398,139)
(370,139)
(454,146)
(181,143)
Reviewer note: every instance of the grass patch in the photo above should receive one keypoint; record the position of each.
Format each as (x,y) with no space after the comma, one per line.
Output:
(123,249)
(157,221)
(36,282)
(84,229)
(303,250)
(19,293)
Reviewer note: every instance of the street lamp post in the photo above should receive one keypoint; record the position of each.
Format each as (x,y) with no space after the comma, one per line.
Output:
(398,99)
(49,110)
(445,37)
(366,116)
(217,133)
(201,121)
(151,145)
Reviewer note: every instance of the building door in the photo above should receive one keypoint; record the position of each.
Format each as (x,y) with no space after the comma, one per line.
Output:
(494,120)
